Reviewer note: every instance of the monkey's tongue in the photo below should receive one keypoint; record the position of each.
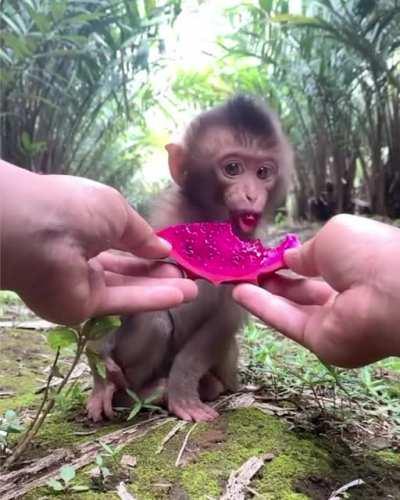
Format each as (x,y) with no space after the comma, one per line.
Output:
(247,222)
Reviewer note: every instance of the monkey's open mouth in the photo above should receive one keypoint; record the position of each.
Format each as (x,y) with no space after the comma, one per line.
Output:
(246,221)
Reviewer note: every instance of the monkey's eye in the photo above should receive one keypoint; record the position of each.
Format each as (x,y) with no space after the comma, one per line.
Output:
(233,168)
(266,171)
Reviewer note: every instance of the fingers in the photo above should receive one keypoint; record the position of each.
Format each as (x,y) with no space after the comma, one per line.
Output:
(140,239)
(125,264)
(301,291)
(277,312)
(187,287)
(302,259)
(133,299)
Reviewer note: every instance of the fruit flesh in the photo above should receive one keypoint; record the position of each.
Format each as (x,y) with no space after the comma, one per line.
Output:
(211,250)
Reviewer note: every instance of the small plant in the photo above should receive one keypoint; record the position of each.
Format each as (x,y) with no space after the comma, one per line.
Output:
(10,423)
(70,399)
(101,473)
(67,478)
(145,404)
(110,453)
(103,469)
(107,466)
(60,338)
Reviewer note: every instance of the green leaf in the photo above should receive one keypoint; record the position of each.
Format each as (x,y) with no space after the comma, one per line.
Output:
(149,6)
(17,44)
(266,5)
(135,410)
(105,471)
(55,485)
(119,448)
(67,473)
(58,9)
(106,448)
(152,407)
(99,460)
(96,328)
(295,19)
(133,395)
(61,337)
(101,368)
(10,422)
(42,21)
(80,487)
(154,396)
(26,141)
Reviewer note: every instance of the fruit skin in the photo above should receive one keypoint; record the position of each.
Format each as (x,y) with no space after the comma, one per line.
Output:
(211,251)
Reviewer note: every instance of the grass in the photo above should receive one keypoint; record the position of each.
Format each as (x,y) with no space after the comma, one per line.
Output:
(366,400)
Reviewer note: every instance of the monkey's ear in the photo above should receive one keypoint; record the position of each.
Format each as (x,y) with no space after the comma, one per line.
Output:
(176,156)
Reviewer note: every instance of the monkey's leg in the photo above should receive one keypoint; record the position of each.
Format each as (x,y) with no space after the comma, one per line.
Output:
(203,351)
(226,370)
(210,387)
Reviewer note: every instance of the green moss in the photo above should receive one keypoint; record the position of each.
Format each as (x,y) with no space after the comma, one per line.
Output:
(252,433)
(248,432)
(390,457)
(22,359)
(242,433)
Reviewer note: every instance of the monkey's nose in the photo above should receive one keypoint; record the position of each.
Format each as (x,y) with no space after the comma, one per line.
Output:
(252,197)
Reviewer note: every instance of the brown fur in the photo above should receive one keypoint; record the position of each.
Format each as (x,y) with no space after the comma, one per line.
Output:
(190,353)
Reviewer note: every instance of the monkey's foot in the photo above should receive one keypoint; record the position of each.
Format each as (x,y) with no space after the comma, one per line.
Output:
(192,410)
(100,402)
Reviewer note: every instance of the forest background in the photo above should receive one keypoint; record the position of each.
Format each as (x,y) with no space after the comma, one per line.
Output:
(97,87)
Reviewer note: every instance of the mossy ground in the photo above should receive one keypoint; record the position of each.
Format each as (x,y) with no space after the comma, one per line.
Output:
(308,463)
(303,467)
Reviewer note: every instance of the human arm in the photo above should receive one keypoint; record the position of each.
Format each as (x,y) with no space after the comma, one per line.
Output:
(54,230)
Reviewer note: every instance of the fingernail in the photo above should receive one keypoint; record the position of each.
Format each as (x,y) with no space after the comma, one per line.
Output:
(165,244)
(289,255)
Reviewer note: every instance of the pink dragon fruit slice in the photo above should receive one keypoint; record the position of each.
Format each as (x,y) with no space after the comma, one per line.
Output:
(210,250)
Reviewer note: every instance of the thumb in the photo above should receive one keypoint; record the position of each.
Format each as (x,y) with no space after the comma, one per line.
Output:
(140,239)
(302,259)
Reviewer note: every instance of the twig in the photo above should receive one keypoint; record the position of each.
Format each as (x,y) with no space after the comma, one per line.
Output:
(239,480)
(170,435)
(46,405)
(343,489)
(184,444)
(29,433)
(123,493)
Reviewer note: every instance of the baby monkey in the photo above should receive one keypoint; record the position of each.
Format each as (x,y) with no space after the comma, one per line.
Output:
(233,163)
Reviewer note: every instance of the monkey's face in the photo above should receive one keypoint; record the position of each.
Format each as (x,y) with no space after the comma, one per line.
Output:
(228,176)
(245,172)
(246,177)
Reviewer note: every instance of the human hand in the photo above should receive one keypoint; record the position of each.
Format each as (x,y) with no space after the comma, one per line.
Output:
(350,319)
(54,232)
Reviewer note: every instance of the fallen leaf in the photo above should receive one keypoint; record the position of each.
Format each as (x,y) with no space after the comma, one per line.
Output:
(128,461)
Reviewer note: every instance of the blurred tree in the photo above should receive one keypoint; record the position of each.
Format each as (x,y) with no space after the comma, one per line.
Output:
(75,83)
(332,73)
